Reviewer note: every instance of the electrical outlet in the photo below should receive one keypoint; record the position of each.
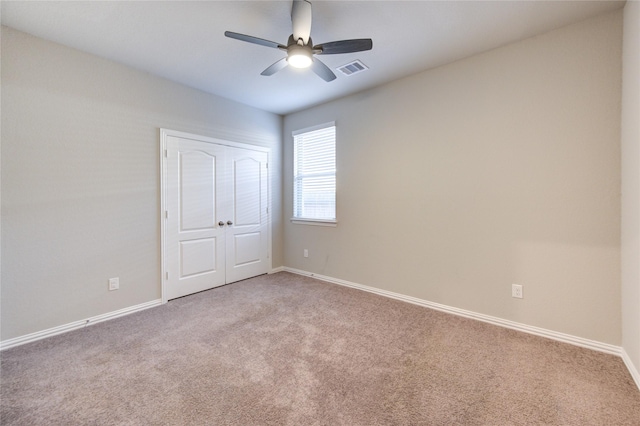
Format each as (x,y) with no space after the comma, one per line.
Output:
(306,253)
(516,291)
(114,283)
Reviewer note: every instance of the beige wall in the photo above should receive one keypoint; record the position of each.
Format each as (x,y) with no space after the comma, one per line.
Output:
(80,178)
(631,184)
(501,168)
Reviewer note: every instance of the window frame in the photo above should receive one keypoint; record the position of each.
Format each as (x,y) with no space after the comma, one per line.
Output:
(310,220)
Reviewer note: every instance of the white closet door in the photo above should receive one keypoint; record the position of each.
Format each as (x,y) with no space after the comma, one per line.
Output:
(247,236)
(195,242)
(216,215)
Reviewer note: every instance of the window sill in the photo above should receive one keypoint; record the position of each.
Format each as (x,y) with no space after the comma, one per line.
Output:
(315,222)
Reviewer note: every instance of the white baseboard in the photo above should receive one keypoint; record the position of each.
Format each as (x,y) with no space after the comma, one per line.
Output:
(28,338)
(632,368)
(276,270)
(550,334)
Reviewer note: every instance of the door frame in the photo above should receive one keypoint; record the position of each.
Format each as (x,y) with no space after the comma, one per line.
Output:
(166,133)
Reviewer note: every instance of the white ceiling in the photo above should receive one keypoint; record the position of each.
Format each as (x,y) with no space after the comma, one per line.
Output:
(184,41)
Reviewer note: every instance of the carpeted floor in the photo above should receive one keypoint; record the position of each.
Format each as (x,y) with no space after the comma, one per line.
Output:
(289,350)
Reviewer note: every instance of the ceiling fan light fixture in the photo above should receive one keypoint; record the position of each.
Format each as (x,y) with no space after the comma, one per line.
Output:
(300,49)
(299,57)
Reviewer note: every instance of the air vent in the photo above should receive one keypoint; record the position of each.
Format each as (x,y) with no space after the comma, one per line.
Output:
(354,67)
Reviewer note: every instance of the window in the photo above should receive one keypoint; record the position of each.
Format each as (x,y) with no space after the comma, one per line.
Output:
(314,175)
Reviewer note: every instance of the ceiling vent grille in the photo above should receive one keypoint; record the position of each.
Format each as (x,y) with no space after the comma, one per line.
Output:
(352,68)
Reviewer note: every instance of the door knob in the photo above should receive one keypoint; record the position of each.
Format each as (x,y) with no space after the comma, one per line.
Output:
(229,222)
(221,223)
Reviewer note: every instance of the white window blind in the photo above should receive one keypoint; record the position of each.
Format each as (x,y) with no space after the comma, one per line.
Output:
(314,174)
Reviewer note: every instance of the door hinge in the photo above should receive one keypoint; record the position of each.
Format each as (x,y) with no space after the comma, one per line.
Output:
(166,214)
(267,210)
(166,274)
(266,165)
(166,153)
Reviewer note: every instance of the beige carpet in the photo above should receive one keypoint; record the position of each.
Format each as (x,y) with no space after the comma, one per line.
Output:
(288,350)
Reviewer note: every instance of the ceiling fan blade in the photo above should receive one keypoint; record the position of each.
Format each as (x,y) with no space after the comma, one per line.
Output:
(277,66)
(322,70)
(254,40)
(344,46)
(301,20)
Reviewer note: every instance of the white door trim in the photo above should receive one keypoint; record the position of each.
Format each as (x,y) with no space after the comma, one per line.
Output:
(166,133)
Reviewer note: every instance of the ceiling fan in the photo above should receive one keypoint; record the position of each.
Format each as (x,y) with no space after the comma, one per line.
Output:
(300,49)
